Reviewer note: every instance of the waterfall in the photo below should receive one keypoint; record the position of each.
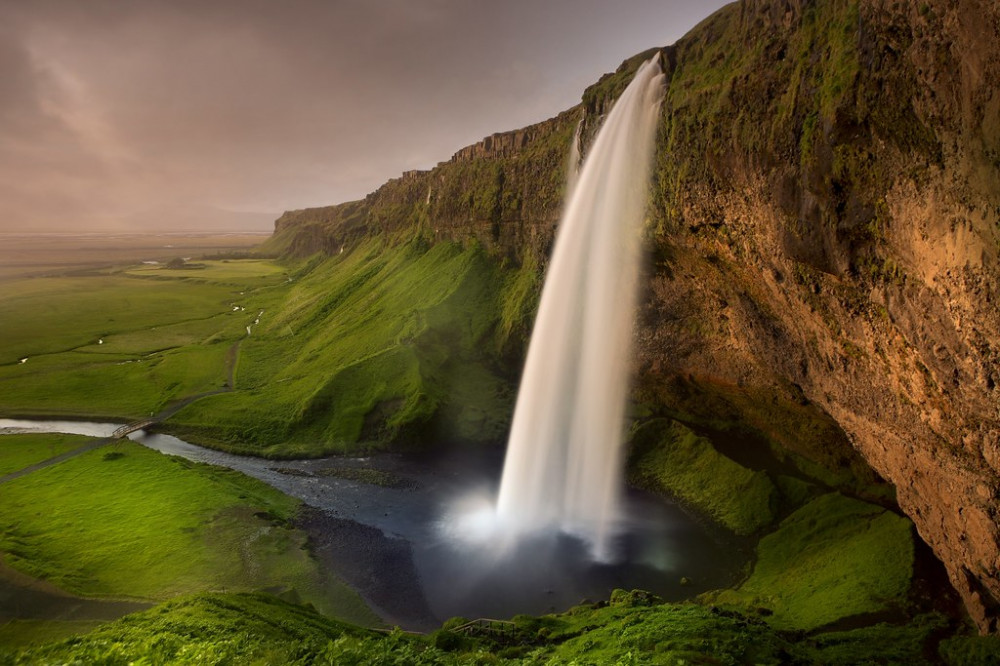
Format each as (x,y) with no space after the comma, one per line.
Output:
(563,467)
(573,163)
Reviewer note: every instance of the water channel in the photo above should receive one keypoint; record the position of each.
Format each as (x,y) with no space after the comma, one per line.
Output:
(393,541)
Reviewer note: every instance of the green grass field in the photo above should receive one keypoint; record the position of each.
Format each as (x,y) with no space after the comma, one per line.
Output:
(123,521)
(124,344)
(20,451)
(249,273)
(391,343)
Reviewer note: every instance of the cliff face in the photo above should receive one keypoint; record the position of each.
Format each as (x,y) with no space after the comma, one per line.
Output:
(824,237)
(505,191)
(828,205)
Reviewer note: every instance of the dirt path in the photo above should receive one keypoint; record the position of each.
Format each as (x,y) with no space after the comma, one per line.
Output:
(58,459)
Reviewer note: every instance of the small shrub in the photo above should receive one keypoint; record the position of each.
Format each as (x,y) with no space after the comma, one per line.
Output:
(634,598)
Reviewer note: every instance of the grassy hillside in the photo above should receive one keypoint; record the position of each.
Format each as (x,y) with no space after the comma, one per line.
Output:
(835,557)
(391,342)
(386,343)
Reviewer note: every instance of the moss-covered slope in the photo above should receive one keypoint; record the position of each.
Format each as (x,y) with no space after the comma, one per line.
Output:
(389,343)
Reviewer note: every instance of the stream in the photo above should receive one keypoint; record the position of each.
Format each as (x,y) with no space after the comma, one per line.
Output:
(381,523)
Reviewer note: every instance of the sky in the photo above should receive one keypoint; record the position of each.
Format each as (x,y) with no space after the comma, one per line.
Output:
(141,115)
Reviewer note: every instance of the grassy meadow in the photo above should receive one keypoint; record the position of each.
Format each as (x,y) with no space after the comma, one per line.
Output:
(386,344)
(20,451)
(122,344)
(122,521)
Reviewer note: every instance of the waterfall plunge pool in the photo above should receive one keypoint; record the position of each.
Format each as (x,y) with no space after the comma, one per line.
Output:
(399,544)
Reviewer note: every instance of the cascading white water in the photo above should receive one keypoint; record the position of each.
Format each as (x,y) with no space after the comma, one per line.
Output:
(563,467)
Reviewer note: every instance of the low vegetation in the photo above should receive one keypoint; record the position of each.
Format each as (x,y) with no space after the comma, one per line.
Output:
(388,344)
(142,524)
(632,629)
(124,344)
(834,558)
(20,451)
(148,526)
(207,629)
(383,345)
(668,457)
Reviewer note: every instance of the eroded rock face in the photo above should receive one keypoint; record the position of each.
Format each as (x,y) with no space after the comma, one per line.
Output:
(825,237)
(839,234)
(505,192)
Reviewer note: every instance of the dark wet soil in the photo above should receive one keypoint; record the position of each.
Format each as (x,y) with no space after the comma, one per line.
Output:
(379,567)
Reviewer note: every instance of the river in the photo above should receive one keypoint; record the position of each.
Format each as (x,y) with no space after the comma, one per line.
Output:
(381,522)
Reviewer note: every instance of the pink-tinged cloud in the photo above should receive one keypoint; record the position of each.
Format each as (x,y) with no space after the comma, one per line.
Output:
(120,113)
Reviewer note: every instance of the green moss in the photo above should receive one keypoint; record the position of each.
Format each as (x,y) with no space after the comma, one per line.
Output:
(518,301)
(244,628)
(663,634)
(794,492)
(209,629)
(807,139)
(796,431)
(836,557)
(669,457)
(878,644)
(370,348)
(971,650)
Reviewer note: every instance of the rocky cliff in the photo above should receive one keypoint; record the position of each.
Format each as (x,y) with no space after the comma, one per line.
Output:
(505,191)
(824,243)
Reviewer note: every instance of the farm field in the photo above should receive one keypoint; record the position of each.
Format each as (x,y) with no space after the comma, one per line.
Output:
(121,344)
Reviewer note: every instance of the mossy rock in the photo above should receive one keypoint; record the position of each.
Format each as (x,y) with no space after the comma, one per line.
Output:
(668,457)
(834,558)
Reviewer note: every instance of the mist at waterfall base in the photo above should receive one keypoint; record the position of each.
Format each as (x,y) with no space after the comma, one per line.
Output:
(559,510)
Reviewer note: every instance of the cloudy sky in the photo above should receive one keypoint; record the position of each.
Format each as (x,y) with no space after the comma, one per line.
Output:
(127,114)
